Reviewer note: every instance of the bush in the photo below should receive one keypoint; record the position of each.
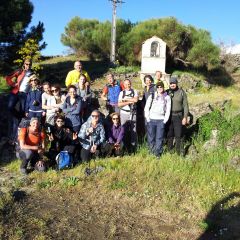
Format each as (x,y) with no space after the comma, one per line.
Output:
(216,120)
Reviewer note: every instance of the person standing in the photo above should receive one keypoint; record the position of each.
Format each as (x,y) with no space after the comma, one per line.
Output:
(19,83)
(72,108)
(74,75)
(33,106)
(157,111)
(178,117)
(54,104)
(84,91)
(159,78)
(111,93)
(127,102)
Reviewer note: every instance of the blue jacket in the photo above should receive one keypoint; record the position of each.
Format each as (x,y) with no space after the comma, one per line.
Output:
(72,112)
(34,101)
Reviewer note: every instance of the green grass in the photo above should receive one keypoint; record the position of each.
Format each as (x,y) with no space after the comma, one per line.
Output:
(194,74)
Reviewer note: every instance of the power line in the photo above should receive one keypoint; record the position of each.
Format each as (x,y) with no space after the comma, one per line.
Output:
(113,33)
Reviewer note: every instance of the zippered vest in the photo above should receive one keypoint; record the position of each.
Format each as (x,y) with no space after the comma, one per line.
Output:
(113,93)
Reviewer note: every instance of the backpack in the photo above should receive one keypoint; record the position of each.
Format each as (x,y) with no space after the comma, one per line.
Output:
(164,99)
(131,94)
(64,160)
(113,92)
(133,108)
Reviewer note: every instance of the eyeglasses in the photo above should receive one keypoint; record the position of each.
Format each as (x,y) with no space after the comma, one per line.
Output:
(54,90)
(95,116)
(59,121)
(115,118)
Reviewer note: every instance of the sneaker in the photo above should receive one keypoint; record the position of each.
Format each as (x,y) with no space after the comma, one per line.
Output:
(23,171)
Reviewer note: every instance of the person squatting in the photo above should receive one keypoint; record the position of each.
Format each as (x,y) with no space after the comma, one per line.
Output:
(69,122)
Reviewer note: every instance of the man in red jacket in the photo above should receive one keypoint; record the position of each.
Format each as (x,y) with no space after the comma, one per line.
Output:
(19,83)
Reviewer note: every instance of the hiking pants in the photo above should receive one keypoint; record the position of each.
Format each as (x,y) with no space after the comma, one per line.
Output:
(26,156)
(15,115)
(175,130)
(155,136)
(128,120)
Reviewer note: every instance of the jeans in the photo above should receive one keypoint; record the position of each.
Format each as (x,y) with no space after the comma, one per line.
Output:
(14,114)
(155,136)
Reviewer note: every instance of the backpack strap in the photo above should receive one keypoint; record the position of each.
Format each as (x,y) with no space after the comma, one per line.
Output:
(152,95)
(129,95)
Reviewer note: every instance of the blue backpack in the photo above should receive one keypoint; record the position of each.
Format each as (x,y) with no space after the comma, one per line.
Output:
(63,160)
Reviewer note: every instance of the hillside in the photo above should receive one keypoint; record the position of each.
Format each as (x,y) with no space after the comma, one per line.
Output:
(138,196)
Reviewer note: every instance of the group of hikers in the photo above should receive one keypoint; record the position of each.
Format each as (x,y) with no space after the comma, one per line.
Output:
(69,123)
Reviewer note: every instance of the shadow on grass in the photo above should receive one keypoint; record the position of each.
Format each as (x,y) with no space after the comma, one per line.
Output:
(223,220)
(57,72)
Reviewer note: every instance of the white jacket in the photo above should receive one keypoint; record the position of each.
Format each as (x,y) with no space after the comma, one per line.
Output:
(159,108)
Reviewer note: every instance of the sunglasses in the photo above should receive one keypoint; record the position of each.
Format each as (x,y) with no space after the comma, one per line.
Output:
(159,87)
(115,118)
(54,90)
(96,116)
(28,64)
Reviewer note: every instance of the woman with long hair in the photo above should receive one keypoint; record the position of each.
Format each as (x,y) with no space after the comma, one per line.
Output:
(54,104)
(72,107)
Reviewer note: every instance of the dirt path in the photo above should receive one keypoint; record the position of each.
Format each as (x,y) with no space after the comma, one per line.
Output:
(80,214)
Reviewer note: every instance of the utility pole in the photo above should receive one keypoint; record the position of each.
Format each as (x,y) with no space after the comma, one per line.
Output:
(113,33)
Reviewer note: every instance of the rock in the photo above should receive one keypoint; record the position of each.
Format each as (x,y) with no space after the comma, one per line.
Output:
(235,162)
(206,84)
(202,109)
(192,150)
(233,143)
(213,141)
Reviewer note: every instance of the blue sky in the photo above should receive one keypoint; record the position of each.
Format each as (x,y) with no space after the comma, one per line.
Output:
(220,17)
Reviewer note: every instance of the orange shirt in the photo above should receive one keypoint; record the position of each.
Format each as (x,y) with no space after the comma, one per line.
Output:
(32,139)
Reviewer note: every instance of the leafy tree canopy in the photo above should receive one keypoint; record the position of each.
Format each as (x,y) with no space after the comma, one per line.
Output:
(16,15)
(187,45)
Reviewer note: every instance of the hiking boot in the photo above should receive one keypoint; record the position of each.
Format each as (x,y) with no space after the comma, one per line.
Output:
(23,171)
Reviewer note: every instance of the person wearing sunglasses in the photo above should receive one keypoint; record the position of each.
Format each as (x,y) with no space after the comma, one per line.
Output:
(61,138)
(19,83)
(54,104)
(91,136)
(157,111)
(33,107)
(115,135)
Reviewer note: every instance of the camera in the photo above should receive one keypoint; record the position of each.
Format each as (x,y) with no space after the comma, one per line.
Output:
(36,103)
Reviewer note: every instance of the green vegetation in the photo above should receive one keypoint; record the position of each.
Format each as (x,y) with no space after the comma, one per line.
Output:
(187,45)
(30,50)
(3,85)
(16,16)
